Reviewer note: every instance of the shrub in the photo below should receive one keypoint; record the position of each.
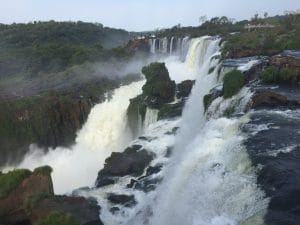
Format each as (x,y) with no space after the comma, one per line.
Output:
(58,218)
(270,75)
(43,170)
(285,74)
(273,75)
(233,82)
(11,180)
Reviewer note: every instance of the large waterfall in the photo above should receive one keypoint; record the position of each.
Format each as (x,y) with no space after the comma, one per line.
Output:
(207,180)
(104,132)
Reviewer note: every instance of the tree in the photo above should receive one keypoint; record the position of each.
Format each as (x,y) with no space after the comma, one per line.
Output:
(202,19)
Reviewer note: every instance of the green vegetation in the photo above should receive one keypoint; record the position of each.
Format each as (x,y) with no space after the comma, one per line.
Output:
(12,180)
(273,74)
(32,201)
(58,218)
(233,82)
(45,47)
(207,100)
(43,170)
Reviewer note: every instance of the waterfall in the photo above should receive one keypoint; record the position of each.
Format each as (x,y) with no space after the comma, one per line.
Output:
(152,43)
(105,131)
(210,180)
(150,117)
(184,48)
(164,45)
(171,45)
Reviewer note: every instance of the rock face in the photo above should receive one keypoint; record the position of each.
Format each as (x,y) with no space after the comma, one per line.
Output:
(272,99)
(184,88)
(138,45)
(159,88)
(132,161)
(33,199)
(158,93)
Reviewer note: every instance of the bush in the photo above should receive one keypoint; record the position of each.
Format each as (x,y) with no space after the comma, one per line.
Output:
(270,75)
(285,75)
(11,180)
(273,75)
(233,82)
(58,218)
(43,170)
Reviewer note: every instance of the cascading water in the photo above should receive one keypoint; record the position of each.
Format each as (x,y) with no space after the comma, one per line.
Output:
(171,46)
(210,179)
(104,132)
(150,117)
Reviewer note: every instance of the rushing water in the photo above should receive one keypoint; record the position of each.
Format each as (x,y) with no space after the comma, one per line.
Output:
(104,132)
(209,178)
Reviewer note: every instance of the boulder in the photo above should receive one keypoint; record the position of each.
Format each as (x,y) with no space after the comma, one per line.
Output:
(31,198)
(126,200)
(132,161)
(184,88)
(274,99)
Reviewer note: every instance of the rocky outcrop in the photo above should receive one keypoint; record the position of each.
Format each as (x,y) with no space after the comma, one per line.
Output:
(184,88)
(272,99)
(138,45)
(158,93)
(132,161)
(27,197)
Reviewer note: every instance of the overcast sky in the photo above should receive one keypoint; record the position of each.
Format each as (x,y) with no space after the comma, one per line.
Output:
(138,15)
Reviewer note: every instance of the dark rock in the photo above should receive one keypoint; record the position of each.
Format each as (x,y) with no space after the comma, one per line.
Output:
(34,199)
(272,99)
(184,88)
(153,170)
(138,45)
(173,131)
(131,184)
(114,210)
(84,211)
(171,110)
(169,152)
(126,200)
(147,184)
(130,162)
(158,85)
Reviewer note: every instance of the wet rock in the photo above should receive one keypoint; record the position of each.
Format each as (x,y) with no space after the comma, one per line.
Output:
(184,88)
(84,211)
(126,200)
(132,161)
(273,99)
(147,184)
(158,90)
(33,199)
(153,170)
(171,110)
(114,210)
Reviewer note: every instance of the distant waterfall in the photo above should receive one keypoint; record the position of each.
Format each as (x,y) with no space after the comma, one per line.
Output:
(171,45)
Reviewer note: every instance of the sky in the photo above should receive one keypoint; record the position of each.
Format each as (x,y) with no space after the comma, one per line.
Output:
(138,15)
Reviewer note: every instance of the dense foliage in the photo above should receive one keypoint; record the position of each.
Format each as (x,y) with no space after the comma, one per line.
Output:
(34,49)
(11,180)
(273,74)
(233,82)
(58,218)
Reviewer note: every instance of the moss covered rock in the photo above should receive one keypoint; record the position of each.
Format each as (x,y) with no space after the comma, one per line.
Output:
(233,82)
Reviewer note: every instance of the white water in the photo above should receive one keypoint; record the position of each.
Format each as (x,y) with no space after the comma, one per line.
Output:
(150,117)
(210,179)
(104,132)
